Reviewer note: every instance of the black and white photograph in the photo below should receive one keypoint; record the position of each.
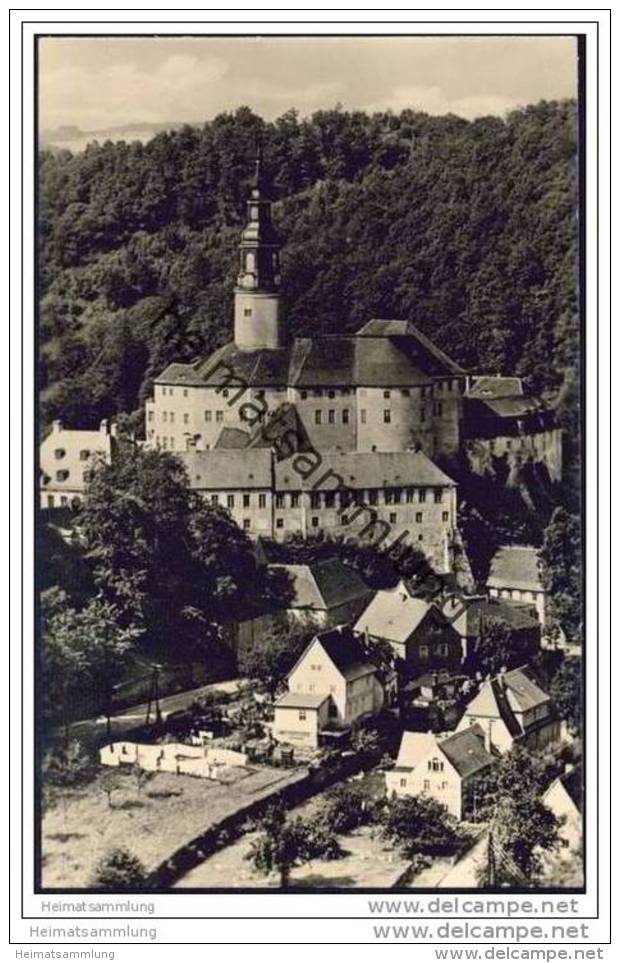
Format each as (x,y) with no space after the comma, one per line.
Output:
(309,535)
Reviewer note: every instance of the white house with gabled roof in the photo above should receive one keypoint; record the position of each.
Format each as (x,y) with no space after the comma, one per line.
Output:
(332,681)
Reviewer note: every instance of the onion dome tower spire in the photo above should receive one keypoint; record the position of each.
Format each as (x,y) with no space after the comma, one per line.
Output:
(257,294)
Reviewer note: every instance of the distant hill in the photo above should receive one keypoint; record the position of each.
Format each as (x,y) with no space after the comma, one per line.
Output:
(468,228)
(70,137)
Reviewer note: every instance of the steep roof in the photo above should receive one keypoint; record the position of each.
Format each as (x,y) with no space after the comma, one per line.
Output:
(573,784)
(466,751)
(363,469)
(392,615)
(222,469)
(418,344)
(506,694)
(515,566)
(325,584)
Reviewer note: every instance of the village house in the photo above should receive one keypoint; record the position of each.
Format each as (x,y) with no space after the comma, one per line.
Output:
(515,575)
(442,767)
(326,592)
(512,708)
(418,633)
(67,457)
(333,682)
(469,615)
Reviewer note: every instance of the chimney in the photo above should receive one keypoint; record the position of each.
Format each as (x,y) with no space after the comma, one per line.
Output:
(56,426)
(114,429)
(568,767)
(488,745)
(103,426)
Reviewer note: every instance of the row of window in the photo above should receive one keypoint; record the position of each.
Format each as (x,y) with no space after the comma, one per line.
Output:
(60,453)
(427,784)
(62,476)
(345,416)
(332,499)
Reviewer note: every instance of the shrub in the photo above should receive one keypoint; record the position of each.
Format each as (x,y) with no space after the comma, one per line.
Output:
(120,870)
(345,808)
(68,766)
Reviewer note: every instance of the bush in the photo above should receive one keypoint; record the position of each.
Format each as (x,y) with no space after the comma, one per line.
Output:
(120,870)
(345,808)
(319,840)
(68,766)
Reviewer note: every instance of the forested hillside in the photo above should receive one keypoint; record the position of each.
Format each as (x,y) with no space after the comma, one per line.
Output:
(469,229)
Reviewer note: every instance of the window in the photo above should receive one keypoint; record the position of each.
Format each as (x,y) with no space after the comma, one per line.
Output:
(345,416)
(317,417)
(409,494)
(389,496)
(363,416)
(165,416)
(62,475)
(427,784)
(215,499)
(219,416)
(303,395)
(373,497)
(259,394)
(508,444)
(331,416)
(171,391)
(171,444)
(295,500)
(422,497)
(387,394)
(246,523)
(392,518)
(420,538)
(302,715)
(84,454)
(50,501)
(230,501)
(387,416)
(279,523)
(87,475)
(405,393)
(262,501)
(164,443)
(423,652)
(247,312)
(344,519)
(398,495)
(171,417)
(208,415)
(186,419)
(317,393)
(151,415)
(437,495)
(246,501)
(185,392)
(279,501)
(435,765)
(315,500)
(64,501)
(445,516)
(403,783)
(422,414)
(329,499)
(438,408)
(315,521)
(442,649)
(163,391)
(225,393)
(331,394)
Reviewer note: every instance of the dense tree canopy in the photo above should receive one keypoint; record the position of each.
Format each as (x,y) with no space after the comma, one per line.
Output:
(468,228)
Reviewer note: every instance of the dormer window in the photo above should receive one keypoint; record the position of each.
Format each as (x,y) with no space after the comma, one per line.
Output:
(59,453)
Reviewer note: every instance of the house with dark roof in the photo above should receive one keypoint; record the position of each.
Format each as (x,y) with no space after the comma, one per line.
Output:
(513,708)
(332,683)
(441,767)
(515,575)
(469,615)
(326,591)
(416,630)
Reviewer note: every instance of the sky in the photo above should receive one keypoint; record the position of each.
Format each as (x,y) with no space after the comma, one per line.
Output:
(103,82)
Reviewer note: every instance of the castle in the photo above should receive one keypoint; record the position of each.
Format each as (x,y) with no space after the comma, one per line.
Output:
(338,433)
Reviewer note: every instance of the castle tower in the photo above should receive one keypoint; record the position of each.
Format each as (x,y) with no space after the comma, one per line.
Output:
(257,299)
